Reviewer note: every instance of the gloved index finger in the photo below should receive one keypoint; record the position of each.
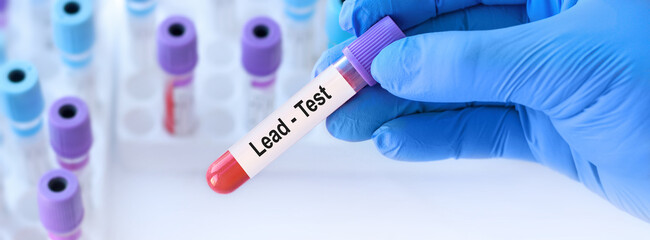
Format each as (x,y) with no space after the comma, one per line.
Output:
(359,15)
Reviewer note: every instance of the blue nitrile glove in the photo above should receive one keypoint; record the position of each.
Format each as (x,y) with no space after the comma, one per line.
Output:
(561,83)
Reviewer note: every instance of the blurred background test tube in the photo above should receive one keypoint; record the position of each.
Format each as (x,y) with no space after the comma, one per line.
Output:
(43,53)
(74,36)
(22,103)
(141,8)
(177,56)
(142,23)
(261,57)
(71,139)
(300,31)
(225,17)
(60,205)
(335,34)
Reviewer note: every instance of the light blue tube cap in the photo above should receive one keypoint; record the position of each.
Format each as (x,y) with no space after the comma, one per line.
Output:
(299,10)
(141,8)
(73,27)
(335,33)
(21,96)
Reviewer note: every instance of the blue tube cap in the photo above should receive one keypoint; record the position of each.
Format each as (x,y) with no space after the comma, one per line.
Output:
(73,27)
(299,10)
(335,33)
(20,94)
(141,8)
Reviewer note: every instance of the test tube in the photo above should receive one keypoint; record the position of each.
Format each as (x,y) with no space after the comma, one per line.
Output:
(22,102)
(300,31)
(141,22)
(71,139)
(177,56)
(74,31)
(60,205)
(74,36)
(43,52)
(302,112)
(225,13)
(335,34)
(141,8)
(261,56)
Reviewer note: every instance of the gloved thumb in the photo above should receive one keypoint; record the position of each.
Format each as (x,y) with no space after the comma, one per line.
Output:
(523,64)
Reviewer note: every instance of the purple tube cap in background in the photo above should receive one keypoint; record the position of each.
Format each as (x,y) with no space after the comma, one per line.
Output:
(3,5)
(364,49)
(70,130)
(59,202)
(261,46)
(177,45)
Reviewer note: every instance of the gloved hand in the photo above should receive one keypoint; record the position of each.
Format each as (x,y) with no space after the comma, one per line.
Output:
(561,83)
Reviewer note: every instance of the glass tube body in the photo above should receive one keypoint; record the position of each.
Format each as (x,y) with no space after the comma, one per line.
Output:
(261,98)
(300,35)
(72,235)
(43,53)
(31,144)
(141,23)
(180,117)
(225,13)
(82,79)
(31,150)
(84,173)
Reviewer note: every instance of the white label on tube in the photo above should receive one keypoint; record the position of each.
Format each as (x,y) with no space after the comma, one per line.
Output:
(291,121)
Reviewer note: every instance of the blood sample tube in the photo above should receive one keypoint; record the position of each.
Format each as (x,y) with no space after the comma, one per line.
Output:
(335,34)
(60,204)
(71,138)
(261,56)
(177,56)
(74,36)
(302,112)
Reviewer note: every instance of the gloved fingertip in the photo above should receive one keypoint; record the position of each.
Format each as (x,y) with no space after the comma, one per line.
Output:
(330,56)
(385,142)
(396,65)
(325,60)
(338,129)
(345,17)
(320,65)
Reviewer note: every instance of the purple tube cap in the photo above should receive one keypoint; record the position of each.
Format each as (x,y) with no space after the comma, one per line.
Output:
(3,5)
(364,49)
(261,46)
(176,39)
(70,130)
(59,202)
